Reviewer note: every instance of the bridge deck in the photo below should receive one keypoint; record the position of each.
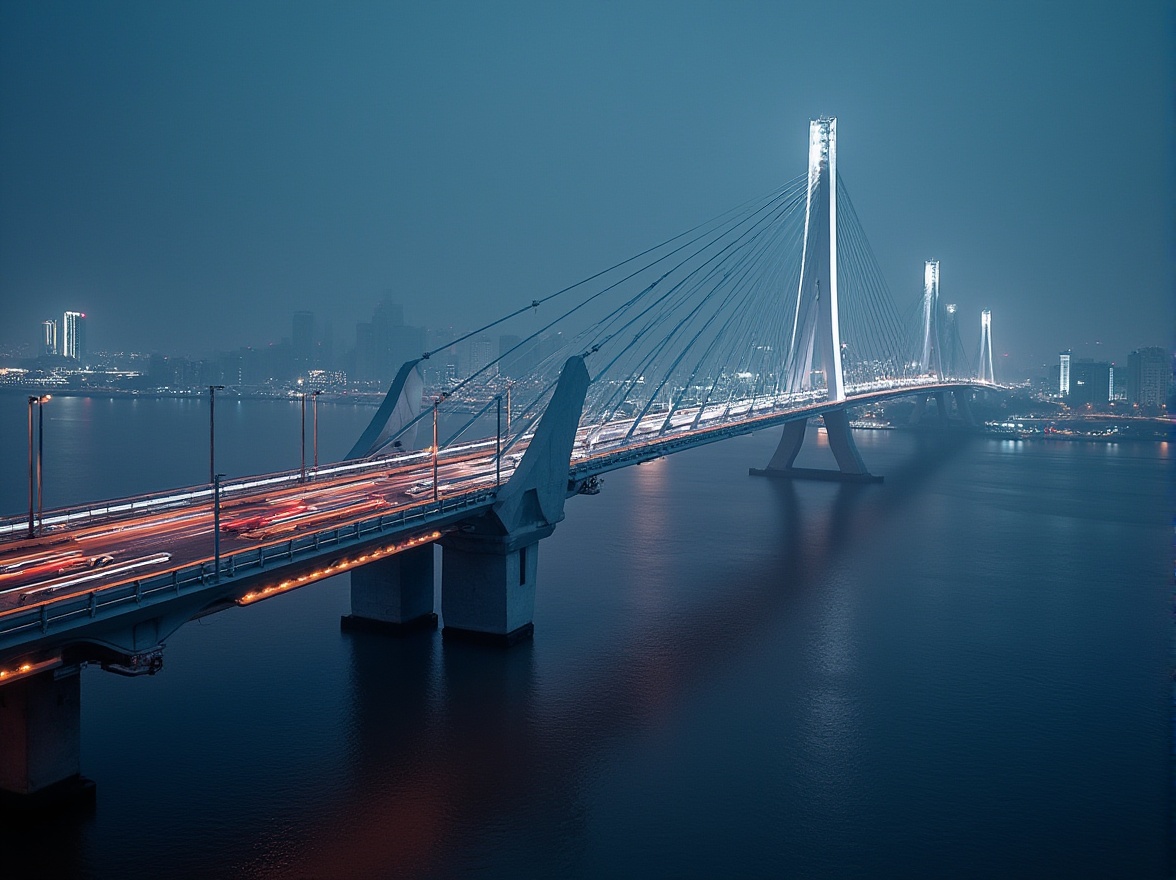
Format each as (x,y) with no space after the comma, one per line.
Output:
(279,533)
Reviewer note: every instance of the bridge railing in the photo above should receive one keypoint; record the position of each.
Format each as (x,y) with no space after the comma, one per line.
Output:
(40,619)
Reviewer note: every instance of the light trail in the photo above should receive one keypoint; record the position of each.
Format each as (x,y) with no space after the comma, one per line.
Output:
(109,571)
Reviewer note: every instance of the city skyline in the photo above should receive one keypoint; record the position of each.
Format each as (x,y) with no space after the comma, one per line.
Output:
(464,171)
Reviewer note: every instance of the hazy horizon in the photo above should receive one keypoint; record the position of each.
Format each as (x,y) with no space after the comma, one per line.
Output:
(190,176)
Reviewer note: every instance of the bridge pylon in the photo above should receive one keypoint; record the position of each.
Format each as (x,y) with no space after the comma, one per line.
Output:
(816,328)
(931,357)
(987,373)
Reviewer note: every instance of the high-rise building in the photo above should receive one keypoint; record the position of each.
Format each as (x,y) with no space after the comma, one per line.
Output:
(1090,382)
(1064,375)
(1149,375)
(481,353)
(49,337)
(73,332)
(385,342)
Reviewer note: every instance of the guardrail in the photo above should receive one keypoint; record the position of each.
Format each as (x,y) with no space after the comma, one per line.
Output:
(53,614)
(613,454)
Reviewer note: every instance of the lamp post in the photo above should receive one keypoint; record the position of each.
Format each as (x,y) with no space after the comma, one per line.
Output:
(31,471)
(498,446)
(216,482)
(314,398)
(35,468)
(45,398)
(302,440)
(212,390)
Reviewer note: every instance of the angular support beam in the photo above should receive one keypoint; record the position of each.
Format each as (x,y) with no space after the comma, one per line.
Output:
(488,572)
(394,594)
(40,742)
(850,466)
(400,406)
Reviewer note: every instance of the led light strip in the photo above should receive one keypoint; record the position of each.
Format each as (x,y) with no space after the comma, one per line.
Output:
(337,568)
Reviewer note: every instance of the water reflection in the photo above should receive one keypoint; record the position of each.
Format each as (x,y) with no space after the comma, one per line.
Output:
(451,739)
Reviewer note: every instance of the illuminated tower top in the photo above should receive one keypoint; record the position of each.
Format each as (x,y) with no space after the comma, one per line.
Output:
(932,355)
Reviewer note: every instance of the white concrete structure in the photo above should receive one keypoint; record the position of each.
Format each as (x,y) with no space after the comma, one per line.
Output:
(815,326)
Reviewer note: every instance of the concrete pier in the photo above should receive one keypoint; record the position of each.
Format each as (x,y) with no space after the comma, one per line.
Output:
(40,743)
(394,594)
(850,466)
(488,586)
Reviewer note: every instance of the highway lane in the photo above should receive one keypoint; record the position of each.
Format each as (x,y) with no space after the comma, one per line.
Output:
(110,553)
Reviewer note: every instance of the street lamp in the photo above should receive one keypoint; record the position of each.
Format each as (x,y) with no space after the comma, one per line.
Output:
(302,440)
(216,483)
(314,398)
(436,403)
(45,398)
(212,390)
(35,471)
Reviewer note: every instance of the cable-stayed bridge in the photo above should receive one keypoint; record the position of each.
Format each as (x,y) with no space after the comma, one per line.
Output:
(767,316)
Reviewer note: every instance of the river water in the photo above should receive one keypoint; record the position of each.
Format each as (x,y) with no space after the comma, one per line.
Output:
(963,671)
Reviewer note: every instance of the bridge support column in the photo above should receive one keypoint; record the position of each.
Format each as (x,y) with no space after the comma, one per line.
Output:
(394,594)
(918,412)
(488,586)
(963,402)
(40,742)
(850,466)
(941,407)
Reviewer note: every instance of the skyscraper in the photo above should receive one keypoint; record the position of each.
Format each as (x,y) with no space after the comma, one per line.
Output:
(1090,382)
(481,353)
(49,337)
(1064,375)
(73,327)
(1149,375)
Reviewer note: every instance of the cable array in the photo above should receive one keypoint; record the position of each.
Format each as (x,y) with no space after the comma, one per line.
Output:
(696,329)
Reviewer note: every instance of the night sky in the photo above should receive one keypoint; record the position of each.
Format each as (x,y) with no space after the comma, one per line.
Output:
(189,174)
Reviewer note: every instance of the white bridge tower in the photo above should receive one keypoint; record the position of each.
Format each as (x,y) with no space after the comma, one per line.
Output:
(815,326)
(931,360)
(987,374)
